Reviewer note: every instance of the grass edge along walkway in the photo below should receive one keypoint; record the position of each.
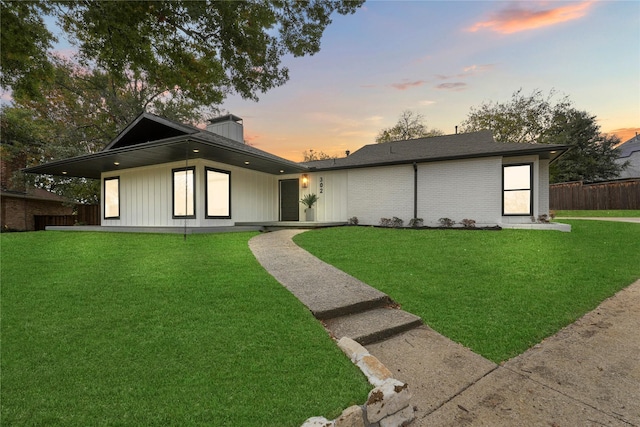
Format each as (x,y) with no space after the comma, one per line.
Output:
(146,329)
(496,292)
(630,213)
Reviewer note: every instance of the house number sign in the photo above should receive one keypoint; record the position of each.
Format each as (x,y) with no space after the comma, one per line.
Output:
(321,185)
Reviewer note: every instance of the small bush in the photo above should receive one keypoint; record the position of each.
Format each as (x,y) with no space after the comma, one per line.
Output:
(446,222)
(552,214)
(543,219)
(396,222)
(416,222)
(353,220)
(468,223)
(385,222)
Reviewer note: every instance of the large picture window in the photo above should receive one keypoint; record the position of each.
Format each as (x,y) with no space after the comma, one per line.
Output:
(218,193)
(517,189)
(112,198)
(184,201)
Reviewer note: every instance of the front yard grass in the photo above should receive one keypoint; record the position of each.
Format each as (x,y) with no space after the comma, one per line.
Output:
(496,292)
(141,329)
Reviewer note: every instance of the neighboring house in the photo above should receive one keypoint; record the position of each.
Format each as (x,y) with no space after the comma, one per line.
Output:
(630,152)
(159,173)
(19,205)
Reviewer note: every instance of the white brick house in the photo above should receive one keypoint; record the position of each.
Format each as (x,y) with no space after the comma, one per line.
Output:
(159,173)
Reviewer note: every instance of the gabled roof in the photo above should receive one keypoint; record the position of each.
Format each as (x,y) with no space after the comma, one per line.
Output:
(151,140)
(439,148)
(148,127)
(629,147)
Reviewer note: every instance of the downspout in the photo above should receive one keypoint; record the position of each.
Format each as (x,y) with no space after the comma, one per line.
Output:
(415,190)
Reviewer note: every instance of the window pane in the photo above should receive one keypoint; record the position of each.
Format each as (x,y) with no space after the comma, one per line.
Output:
(517,177)
(112,198)
(517,202)
(183,193)
(218,194)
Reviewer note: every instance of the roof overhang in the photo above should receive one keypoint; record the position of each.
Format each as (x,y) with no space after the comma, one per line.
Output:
(544,152)
(182,148)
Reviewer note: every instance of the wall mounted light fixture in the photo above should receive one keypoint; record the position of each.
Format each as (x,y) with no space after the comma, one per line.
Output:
(305,180)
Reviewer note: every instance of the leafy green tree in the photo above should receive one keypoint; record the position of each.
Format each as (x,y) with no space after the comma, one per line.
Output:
(592,156)
(206,49)
(522,119)
(538,118)
(410,125)
(169,58)
(24,41)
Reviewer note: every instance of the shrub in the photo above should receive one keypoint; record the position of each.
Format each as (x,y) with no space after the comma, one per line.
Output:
(543,219)
(552,214)
(396,222)
(446,222)
(468,223)
(416,222)
(353,220)
(385,222)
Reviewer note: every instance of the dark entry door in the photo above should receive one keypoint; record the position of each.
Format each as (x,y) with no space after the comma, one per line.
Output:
(289,205)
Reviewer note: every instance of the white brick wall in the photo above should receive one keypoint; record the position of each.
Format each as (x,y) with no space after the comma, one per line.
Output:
(461,189)
(454,189)
(374,193)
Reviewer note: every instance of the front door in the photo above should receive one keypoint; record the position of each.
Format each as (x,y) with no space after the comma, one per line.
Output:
(289,204)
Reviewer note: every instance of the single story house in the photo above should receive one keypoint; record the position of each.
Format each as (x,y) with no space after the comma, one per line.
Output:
(22,206)
(160,173)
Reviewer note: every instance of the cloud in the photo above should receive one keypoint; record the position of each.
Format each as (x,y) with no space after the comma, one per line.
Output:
(467,71)
(407,85)
(516,18)
(427,102)
(457,86)
(473,69)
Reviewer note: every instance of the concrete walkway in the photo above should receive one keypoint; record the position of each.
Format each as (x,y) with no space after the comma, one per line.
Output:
(586,375)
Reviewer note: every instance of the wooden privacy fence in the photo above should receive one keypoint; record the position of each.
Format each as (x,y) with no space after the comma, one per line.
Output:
(87,215)
(623,194)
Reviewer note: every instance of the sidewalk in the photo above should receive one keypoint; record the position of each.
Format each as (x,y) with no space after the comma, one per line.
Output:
(587,374)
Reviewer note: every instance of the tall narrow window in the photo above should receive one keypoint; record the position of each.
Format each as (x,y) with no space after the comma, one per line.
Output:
(517,190)
(184,201)
(218,192)
(112,198)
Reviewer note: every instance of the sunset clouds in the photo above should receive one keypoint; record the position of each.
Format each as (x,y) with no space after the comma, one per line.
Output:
(523,17)
(407,85)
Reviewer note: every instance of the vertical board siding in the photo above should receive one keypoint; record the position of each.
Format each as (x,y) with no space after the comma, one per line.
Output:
(146,197)
(332,196)
(597,196)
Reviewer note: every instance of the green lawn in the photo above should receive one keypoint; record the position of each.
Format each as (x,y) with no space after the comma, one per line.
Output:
(141,329)
(497,292)
(630,213)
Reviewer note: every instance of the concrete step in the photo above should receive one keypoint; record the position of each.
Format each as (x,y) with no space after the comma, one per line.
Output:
(372,325)
(339,307)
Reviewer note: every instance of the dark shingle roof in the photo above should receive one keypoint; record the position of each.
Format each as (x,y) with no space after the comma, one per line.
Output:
(629,147)
(448,147)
